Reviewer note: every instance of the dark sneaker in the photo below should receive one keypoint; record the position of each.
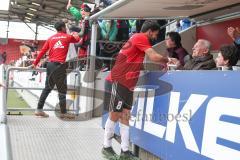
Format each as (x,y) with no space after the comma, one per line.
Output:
(41,114)
(127,156)
(109,153)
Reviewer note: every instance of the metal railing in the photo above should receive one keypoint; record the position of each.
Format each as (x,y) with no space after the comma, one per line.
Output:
(5,149)
(77,86)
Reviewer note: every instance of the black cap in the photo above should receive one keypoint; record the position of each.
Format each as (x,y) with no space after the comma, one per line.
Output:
(86,8)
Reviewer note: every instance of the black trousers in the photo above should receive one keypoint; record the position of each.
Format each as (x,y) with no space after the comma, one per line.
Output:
(56,75)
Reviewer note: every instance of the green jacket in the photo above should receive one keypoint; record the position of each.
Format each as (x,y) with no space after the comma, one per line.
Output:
(75,13)
(106,32)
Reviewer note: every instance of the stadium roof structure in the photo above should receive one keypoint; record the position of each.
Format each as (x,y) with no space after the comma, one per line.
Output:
(168,9)
(42,12)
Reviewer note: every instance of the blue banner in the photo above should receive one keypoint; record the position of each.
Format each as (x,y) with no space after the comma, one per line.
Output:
(187,115)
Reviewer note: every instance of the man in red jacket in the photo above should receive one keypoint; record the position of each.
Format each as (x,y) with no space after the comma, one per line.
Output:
(57,45)
(120,83)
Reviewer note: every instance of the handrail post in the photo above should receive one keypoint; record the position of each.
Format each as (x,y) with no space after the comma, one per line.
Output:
(77,92)
(90,74)
(5,143)
(3,91)
(5,149)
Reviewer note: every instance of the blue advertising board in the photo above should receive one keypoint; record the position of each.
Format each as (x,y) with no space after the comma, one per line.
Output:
(187,115)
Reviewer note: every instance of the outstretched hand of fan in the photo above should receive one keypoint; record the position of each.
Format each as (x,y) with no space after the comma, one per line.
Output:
(69,4)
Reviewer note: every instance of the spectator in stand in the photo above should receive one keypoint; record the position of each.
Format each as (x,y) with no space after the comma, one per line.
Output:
(139,24)
(4,57)
(123,30)
(107,2)
(234,33)
(28,60)
(227,57)
(1,59)
(109,32)
(201,58)
(132,27)
(82,17)
(174,47)
(178,26)
(183,24)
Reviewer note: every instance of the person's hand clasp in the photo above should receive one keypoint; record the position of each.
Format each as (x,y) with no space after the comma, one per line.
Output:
(173,61)
(75,34)
(33,66)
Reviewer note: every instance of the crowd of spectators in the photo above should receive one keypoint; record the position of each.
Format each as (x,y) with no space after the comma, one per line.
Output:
(113,33)
(202,59)
(29,55)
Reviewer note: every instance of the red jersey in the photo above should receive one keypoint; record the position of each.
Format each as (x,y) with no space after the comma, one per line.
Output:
(129,61)
(58,46)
